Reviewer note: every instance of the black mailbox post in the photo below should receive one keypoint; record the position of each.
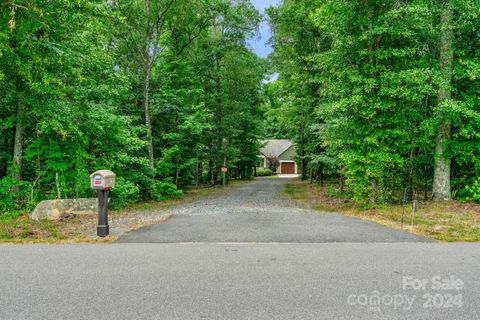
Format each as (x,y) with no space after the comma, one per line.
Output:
(102,225)
(102,181)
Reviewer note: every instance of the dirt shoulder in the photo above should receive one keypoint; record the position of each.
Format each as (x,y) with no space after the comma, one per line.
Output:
(82,228)
(445,221)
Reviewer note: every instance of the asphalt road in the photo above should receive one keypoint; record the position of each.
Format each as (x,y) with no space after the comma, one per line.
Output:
(236,281)
(260,211)
(245,253)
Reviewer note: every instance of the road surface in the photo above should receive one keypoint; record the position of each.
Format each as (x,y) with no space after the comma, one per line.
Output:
(264,268)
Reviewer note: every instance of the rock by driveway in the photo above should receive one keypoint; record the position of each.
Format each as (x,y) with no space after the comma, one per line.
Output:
(260,212)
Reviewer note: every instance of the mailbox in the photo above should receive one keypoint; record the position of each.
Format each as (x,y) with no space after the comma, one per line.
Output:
(102,180)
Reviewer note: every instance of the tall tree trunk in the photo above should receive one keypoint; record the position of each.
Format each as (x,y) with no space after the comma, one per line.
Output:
(19,139)
(441,178)
(320,175)
(3,155)
(302,148)
(342,183)
(177,174)
(57,186)
(218,120)
(197,174)
(210,162)
(410,176)
(374,190)
(148,121)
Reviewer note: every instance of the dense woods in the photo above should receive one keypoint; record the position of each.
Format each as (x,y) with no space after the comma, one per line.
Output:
(381,95)
(162,92)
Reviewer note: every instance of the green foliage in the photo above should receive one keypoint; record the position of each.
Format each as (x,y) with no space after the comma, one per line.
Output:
(164,190)
(333,192)
(358,90)
(74,83)
(124,193)
(14,195)
(264,172)
(471,192)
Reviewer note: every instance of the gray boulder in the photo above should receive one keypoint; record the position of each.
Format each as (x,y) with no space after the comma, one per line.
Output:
(56,209)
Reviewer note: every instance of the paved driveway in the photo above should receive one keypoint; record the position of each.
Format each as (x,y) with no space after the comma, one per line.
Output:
(261,212)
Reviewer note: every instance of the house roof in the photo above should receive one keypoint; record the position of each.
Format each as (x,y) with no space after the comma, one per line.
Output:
(275,147)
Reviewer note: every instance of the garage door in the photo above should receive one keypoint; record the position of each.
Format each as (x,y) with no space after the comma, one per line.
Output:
(288,168)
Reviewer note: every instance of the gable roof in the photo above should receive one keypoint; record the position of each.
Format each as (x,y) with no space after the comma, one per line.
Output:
(275,147)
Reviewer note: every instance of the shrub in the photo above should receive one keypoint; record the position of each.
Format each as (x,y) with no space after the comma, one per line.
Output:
(124,193)
(264,172)
(14,200)
(164,190)
(472,191)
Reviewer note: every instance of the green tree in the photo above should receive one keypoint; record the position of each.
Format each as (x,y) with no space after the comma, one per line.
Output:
(379,92)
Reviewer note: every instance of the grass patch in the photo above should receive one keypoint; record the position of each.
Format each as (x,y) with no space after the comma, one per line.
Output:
(450,221)
(23,229)
(295,192)
(9,215)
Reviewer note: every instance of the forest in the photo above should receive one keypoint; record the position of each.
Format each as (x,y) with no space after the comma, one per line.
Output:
(162,92)
(383,96)
(380,96)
